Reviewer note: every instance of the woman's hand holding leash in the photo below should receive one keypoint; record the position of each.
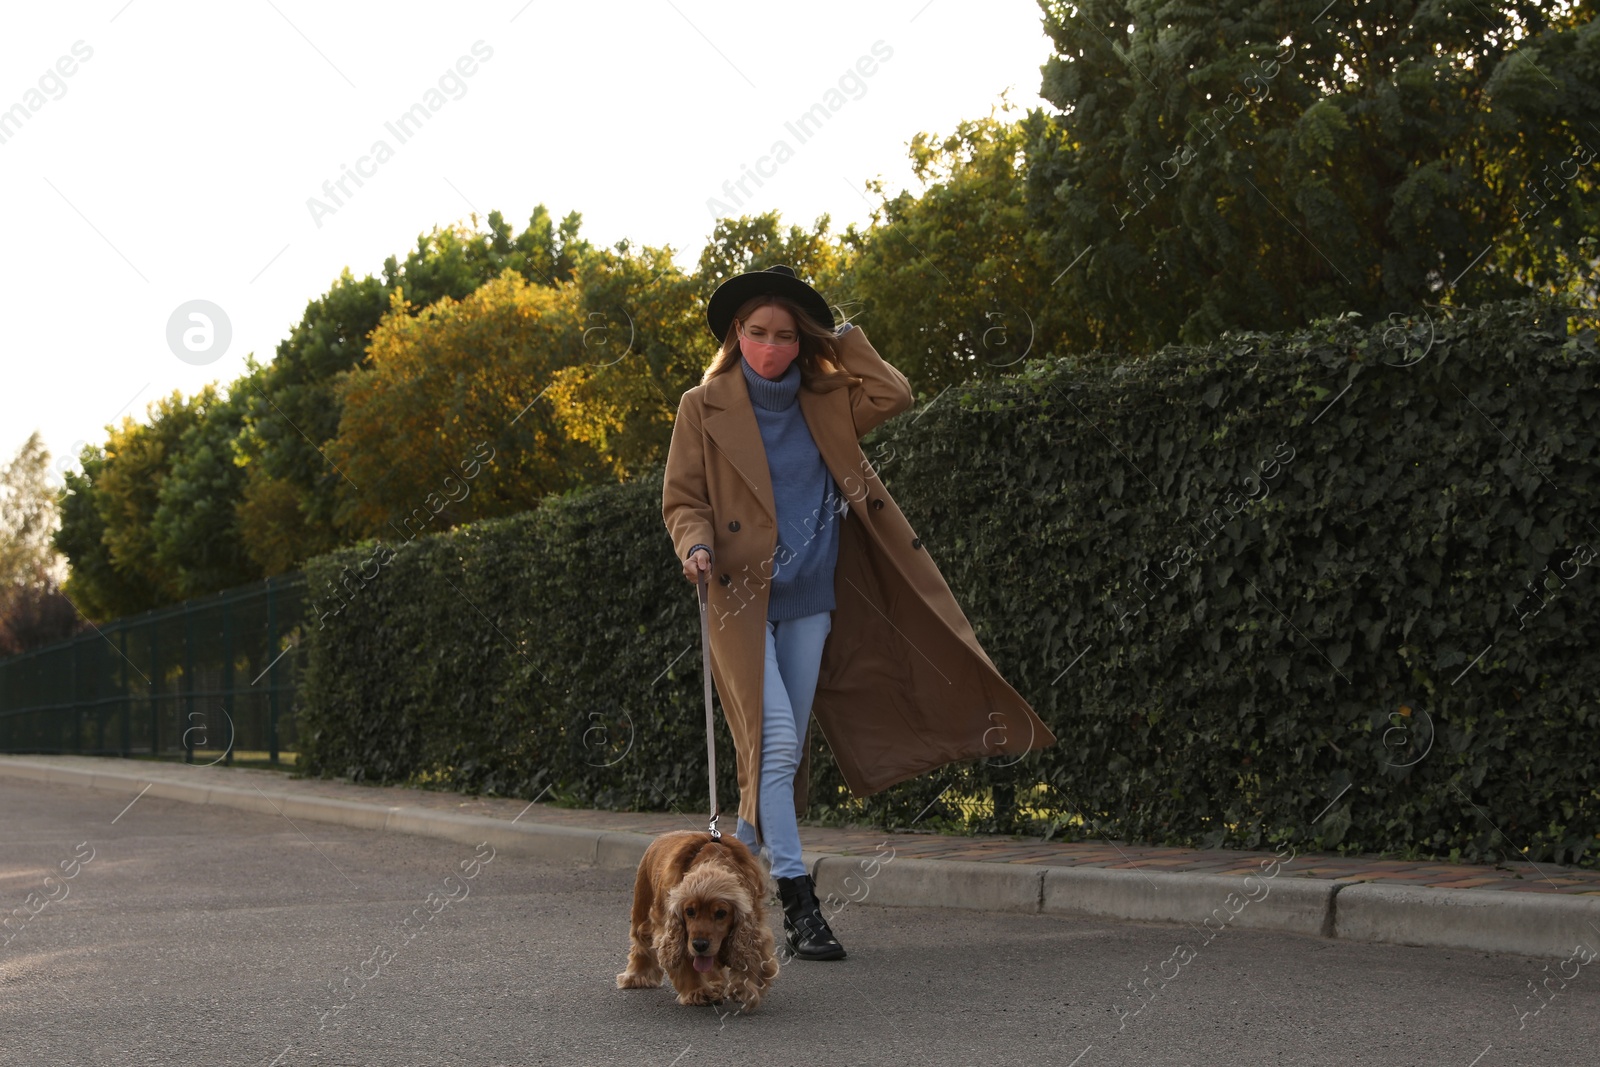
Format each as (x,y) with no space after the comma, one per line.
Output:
(698,563)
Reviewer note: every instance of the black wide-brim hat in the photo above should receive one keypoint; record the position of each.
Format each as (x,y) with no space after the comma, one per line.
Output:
(779,280)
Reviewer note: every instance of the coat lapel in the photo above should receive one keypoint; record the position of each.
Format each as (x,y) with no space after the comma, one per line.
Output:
(730,423)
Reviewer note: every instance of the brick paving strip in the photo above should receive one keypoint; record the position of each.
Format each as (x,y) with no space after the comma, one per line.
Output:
(1518,876)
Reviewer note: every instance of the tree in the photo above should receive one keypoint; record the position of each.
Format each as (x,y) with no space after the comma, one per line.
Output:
(94,585)
(284,508)
(28,514)
(444,422)
(756,242)
(643,342)
(33,610)
(951,282)
(35,613)
(196,523)
(1284,160)
(287,503)
(215,492)
(108,511)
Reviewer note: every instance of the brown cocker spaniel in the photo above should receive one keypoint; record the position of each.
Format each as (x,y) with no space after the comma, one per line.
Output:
(700,916)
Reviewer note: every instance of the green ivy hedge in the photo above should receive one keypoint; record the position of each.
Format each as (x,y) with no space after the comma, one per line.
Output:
(1333,587)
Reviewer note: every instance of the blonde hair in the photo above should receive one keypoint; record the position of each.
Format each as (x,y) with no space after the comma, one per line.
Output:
(821,370)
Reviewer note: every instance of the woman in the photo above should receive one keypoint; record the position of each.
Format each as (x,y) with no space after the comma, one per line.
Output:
(768,494)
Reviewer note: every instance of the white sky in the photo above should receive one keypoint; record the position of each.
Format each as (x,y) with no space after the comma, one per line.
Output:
(175,163)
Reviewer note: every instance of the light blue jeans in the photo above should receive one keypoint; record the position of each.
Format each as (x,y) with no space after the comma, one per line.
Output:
(794,657)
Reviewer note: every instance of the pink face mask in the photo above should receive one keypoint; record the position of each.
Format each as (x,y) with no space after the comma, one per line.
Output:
(769,361)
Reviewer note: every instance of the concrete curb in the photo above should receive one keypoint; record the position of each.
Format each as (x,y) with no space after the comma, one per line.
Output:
(1525,924)
(930,883)
(1528,924)
(1212,901)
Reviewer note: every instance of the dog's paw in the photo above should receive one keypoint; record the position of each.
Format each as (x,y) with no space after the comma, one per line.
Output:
(746,992)
(748,1000)
(699,997)
(639,979)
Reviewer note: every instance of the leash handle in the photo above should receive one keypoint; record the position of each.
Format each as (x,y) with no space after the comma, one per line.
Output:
(711,739)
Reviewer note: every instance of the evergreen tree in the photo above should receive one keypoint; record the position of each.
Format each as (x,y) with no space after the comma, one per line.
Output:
(1281,160)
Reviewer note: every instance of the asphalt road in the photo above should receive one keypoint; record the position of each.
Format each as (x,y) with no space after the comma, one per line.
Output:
(178,934)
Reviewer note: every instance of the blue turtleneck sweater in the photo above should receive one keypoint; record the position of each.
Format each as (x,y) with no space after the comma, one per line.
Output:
(805,495)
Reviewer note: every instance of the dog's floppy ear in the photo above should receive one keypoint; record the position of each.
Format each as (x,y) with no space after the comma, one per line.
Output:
(743,926)
(752,962)
(671,934)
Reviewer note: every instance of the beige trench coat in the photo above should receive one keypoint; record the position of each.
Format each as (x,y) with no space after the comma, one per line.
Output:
(904,687)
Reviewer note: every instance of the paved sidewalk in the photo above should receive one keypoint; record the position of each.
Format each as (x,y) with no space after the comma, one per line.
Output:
(1518,877)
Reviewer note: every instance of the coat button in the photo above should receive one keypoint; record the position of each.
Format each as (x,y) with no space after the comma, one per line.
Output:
(877,505)
(734,525)
(916,542)
(726,580)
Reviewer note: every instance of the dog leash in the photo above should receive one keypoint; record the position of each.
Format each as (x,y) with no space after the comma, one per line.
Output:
(711,739)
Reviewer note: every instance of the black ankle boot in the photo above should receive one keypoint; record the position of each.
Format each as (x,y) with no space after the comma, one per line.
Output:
(803,924)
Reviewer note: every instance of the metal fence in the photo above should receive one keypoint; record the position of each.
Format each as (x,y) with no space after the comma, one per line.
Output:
(211,679)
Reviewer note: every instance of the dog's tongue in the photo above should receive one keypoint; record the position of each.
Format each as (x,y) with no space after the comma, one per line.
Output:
(704,963)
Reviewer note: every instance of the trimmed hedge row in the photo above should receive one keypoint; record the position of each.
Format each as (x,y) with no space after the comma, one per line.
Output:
(1333,587)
